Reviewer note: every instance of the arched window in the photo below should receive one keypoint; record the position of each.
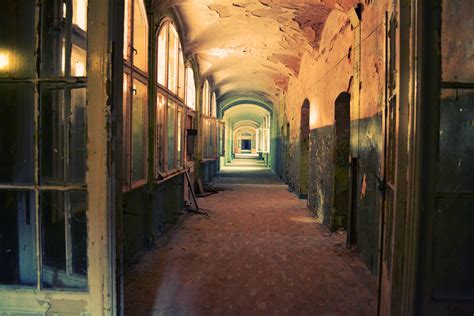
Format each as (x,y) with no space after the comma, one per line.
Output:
(206,99)
(210,126)
(213,105)
(135,97)
(171,96)
(190,88)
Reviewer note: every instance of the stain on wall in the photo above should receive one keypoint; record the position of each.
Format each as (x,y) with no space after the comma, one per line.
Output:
(323,75)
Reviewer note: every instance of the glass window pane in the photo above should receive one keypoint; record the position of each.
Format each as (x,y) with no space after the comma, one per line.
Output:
(16,133)
(16,55)
(171,134)
(54,30)
(79,232)
(173,61)
(126,30)
(77,136)
(140,36)
(52,131)
(126,130)
(205,138)
(205,98)
(64,239)
(212,132)
(190,89)
(17,238)
(139,130)
(181,74)
(53,231)
(78,62)
(179,143)
(161,105)
(162,50)
(456,145)
(214,105)
(79,15)
(190,139)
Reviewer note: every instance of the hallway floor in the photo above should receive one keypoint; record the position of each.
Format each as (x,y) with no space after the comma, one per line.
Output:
(259,253)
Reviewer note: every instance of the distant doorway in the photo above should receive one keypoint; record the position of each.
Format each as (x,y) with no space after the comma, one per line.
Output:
(342,149)
(246,144)
(304,151)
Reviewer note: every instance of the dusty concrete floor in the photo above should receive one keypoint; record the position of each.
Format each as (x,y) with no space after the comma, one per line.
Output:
(259,253)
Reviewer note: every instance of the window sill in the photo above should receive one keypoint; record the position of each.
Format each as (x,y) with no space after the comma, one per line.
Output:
(134,186)
(164,177)
(209,159)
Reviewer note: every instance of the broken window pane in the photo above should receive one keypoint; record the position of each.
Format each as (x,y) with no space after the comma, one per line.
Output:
(52,132)
(139,109)
(77,136)
(64,239)
(16,133)
(17,238)
(16,55)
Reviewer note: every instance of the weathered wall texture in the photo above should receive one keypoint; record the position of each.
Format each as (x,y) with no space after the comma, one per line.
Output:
(324,75)
(148,211)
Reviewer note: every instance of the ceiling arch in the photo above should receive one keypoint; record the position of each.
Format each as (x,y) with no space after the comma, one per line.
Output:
(243,114)
(251,45)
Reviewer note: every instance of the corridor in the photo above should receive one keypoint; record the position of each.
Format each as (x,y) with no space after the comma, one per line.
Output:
(258,253)
(329,143)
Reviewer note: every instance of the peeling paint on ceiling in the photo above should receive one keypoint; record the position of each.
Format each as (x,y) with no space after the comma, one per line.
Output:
(252,46)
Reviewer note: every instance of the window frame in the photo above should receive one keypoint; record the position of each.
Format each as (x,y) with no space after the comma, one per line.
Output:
(162,168)
(133,72)
(65,83)
(209,124)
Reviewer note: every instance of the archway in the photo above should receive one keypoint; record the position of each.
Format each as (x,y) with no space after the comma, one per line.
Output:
(304,151)
(244,140)
(342,143)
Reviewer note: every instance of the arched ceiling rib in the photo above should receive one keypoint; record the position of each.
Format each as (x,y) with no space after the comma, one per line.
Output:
(252,45)
(238,114)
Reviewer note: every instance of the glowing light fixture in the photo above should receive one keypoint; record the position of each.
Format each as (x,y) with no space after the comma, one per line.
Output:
(4,61)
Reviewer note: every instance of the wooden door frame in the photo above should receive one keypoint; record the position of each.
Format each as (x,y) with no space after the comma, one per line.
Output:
(100,177)
(410,105)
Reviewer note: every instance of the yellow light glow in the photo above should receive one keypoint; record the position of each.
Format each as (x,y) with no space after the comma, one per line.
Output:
(4,61)
(63,59)
(80,14)
(313,115)
(80,69)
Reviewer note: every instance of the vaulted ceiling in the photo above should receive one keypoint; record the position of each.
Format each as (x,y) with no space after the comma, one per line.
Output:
(245,113)
(251,47)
